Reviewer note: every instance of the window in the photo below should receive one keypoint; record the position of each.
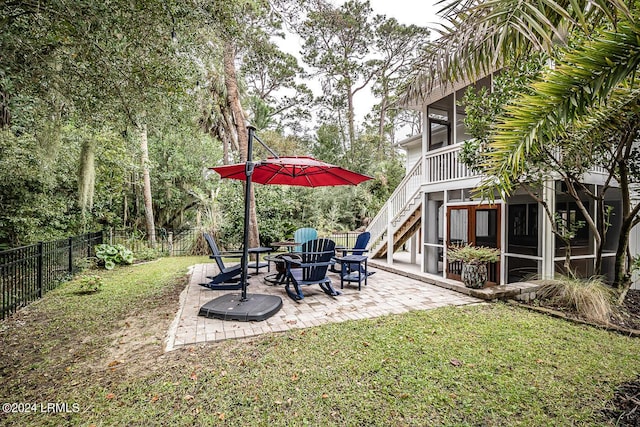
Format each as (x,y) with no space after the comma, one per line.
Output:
(572,221)
(523,228)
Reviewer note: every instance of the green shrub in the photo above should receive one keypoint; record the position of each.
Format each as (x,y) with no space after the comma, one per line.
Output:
(473,254)
(148,254)
(111,255)
(90,283)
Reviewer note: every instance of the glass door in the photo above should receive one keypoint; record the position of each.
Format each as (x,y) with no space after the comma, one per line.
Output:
(476,225)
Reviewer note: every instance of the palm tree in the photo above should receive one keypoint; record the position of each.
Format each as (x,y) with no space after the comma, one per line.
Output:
(595,46)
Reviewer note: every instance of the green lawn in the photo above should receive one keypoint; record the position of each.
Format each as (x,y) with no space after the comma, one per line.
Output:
(476,365)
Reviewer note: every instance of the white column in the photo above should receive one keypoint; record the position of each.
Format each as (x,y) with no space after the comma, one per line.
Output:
(445,233)
(503,242)
(389,240)
(413,247)
(547,238)
(431,230)
(426,136)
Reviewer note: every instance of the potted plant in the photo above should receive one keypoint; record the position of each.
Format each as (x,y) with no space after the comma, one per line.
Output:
(474,263)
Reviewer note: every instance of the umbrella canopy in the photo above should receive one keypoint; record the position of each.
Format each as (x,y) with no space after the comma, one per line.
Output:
(300,171)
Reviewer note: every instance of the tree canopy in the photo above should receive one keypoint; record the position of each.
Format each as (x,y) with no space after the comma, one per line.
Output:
(111,112)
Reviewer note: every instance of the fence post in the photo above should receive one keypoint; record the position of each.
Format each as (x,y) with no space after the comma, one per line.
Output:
(170,243)
(70,255)
(89,242)
(40,265)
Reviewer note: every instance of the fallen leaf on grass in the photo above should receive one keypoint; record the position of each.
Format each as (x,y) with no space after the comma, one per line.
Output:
(155,398)
(110,396)
(455,362)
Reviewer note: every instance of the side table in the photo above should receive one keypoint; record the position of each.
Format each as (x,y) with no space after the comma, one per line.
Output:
(258,265)
(348,271)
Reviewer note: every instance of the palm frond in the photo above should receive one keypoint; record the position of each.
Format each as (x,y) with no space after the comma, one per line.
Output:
(582,80)
(478,37)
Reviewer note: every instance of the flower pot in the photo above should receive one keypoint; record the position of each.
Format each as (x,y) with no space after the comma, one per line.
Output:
(474,275)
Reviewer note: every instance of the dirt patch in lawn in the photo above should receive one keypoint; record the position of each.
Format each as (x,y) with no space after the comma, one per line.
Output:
(139,342)
(49,352)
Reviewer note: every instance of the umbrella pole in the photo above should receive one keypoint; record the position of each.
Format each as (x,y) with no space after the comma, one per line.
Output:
(248,170)
(241,307)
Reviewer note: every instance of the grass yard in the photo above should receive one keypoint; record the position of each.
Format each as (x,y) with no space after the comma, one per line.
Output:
(101,356)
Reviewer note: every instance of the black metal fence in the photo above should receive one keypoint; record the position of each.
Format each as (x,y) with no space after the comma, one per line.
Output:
(28,272)
(172,243)
(179,243)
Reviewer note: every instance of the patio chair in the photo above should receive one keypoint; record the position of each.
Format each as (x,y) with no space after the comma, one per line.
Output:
(359,248)
(303,235)
(310,268)
(228,279)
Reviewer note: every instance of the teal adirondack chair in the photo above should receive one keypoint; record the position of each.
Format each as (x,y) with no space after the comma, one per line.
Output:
(302,236)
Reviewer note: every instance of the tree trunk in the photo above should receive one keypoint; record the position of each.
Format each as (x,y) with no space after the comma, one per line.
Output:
(146,178)
(351,123)
(233,98)
(5,113)
(383,116)
(87,175)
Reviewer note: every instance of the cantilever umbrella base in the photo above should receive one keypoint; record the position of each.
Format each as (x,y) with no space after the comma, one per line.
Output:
(256,307)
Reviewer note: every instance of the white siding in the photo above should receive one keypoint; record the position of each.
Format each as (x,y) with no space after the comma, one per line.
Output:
(413,155)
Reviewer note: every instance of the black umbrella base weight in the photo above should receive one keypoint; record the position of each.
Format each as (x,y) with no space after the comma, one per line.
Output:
(256,307)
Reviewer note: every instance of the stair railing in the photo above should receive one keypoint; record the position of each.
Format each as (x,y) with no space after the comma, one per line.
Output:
(404,193)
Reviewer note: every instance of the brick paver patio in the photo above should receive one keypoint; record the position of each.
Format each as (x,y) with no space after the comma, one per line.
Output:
(386,293)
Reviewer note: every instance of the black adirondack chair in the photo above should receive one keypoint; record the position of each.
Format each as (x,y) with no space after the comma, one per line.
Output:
(310,268)
(359,248)
(229,277)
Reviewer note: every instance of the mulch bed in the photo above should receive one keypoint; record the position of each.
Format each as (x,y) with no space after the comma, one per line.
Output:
(625,405)
(629,316)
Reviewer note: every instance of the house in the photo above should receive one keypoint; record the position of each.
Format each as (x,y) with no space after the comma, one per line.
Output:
(434,207)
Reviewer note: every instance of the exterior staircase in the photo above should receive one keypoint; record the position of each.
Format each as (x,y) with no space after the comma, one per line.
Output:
(403,233)
(401,215)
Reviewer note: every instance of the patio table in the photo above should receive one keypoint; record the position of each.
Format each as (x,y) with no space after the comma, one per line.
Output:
(279,277)
(287,244)
(258,265)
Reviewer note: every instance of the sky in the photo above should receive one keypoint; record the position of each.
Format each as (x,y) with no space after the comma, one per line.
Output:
(407,12)
(417,12)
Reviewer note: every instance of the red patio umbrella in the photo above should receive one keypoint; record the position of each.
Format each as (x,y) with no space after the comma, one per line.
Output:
(301,171)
